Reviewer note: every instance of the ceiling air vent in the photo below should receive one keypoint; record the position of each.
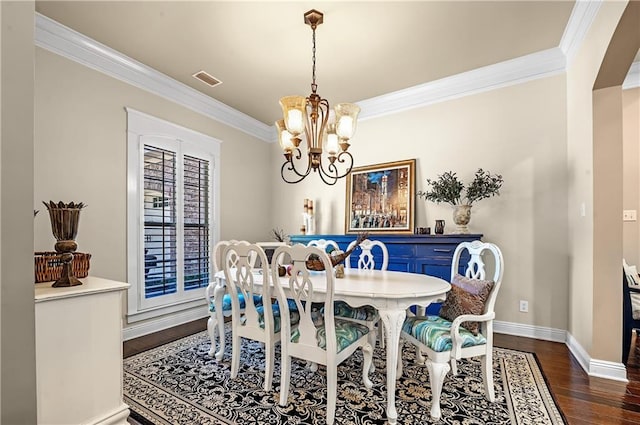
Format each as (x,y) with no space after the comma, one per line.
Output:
(207,78)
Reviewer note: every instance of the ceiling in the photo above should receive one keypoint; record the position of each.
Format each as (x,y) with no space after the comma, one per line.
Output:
(261,51)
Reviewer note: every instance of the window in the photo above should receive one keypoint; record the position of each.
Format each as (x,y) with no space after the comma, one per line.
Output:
(171,215)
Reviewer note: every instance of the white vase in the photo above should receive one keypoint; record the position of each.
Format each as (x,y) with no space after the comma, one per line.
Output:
(461,217)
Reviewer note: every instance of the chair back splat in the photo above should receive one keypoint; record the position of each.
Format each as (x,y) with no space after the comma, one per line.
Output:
(324,244)
(366,315)
(252,314)
(366,259)
(218,300)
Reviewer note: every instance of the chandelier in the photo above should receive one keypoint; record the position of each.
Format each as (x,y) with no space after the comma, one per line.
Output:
(326,143)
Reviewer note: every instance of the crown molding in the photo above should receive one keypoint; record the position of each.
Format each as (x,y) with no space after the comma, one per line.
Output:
(59,39)
(515,71)
(632,80)
(582,16)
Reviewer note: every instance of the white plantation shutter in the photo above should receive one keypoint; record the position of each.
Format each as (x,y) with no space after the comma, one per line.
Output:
(160,221)
(171,214)
(196,223)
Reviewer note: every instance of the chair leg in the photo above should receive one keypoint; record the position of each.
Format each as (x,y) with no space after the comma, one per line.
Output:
(211,328)
(372,341)
(380,334)
(236,346)
(454,367)
(487,376)
(270,353)
(220,320)
(285,376)
(367,353)
(437,372)
(332,391)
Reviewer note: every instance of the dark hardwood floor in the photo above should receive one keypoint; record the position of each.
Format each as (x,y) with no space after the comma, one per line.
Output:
(582,399)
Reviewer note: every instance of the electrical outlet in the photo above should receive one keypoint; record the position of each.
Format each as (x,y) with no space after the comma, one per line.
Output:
(629,215)
(524,306)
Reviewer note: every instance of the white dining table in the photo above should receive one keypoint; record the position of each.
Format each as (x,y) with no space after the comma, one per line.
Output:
(391,293)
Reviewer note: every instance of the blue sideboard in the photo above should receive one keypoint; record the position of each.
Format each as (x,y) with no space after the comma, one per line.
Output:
(427,254)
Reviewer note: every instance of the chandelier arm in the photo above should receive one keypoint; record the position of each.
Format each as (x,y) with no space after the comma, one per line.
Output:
(324,176)
(290,166)
(332,170)
(282,173)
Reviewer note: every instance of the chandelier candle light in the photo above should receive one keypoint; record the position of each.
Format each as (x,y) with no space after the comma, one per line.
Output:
(308,219)
(310,115)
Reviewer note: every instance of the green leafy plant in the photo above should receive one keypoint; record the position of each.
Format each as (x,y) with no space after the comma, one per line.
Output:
(447,188)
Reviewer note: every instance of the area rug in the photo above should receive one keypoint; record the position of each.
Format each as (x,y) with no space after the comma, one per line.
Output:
(179,383)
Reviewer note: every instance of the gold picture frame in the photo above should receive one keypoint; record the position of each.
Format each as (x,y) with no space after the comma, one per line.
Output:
(381,198)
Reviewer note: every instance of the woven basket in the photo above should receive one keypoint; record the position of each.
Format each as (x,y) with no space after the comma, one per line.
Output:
(48,266)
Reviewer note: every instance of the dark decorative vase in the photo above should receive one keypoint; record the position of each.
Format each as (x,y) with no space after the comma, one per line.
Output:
(439,229)
(64,226)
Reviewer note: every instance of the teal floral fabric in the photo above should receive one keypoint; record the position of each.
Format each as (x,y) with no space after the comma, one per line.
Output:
(435,333)
(368,313)
(294,316)
(347,333)
(226,302)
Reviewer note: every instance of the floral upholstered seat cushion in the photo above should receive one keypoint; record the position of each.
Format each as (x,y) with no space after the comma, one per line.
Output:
(366,312)
(347,333)
(435,333)
(467,296)
(226,302)
(294,315)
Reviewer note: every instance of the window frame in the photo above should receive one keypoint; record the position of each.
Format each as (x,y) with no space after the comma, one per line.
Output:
(145,129)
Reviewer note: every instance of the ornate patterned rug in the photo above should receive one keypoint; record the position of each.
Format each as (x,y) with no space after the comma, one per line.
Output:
(178,383)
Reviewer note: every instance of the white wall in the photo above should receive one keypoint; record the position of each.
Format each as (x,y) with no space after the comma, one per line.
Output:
(80,155)
(519,132)
(631,172)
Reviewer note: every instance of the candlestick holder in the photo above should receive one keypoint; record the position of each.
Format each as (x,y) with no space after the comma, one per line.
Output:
(64,226)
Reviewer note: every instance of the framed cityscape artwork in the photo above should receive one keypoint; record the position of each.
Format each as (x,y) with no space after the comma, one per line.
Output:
(381,198)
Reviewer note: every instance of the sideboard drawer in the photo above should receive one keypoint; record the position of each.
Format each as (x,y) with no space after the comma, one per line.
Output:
(435,250)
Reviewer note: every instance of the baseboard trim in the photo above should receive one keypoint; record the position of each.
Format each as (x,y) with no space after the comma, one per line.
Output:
(116,417)
(162,323)
(530,331)
(593,367)
(608,370)
(578,352)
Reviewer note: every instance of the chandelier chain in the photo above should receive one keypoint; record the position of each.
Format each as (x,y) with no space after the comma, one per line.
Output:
(314,86)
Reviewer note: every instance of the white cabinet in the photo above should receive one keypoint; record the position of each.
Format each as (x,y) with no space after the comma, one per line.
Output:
(79,353)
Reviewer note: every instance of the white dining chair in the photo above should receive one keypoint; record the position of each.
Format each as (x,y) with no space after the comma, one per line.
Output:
(219,300)
(464,327)
(258,320)
(367,315)
(321,339)
(323,244)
